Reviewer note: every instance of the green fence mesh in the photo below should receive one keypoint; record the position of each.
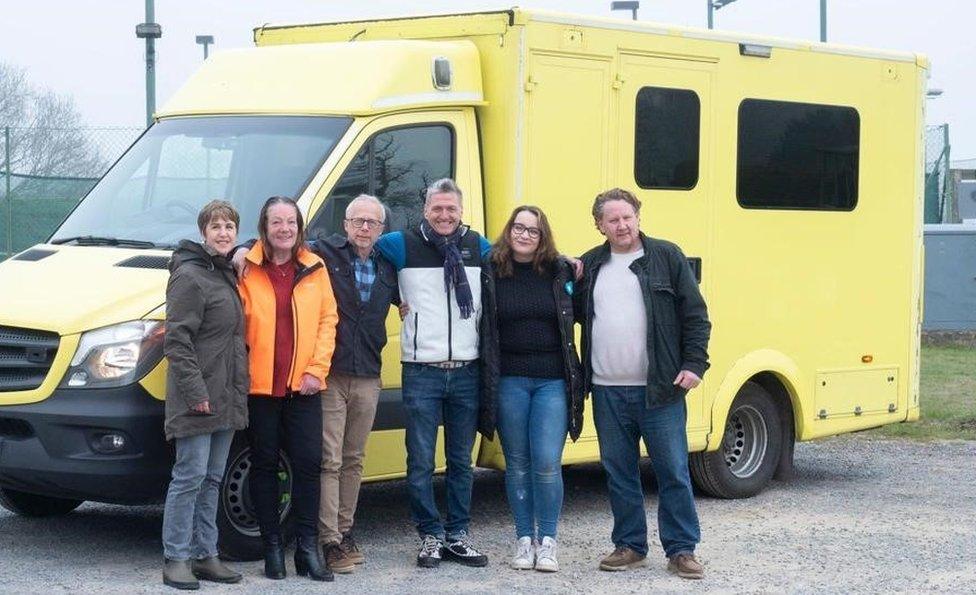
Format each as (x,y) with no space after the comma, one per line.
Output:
(938,182)
(46,172)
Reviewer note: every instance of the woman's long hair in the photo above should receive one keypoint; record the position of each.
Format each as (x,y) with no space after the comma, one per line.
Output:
(545,254)
(263,226)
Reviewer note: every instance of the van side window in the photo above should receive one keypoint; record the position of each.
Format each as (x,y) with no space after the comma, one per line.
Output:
(666,138)
(395,166)
(797,156)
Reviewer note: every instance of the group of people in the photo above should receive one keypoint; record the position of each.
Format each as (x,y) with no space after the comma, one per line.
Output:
(284,337)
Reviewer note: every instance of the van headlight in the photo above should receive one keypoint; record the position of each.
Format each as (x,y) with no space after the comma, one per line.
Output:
(116,355)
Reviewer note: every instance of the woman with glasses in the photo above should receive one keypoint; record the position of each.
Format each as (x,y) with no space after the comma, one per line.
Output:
(532,380)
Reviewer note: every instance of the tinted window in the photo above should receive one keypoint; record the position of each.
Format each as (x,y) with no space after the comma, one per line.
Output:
(667,138)
(797,156)
(395,166)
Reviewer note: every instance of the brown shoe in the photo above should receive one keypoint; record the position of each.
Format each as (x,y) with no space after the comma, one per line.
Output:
(336,559)
(349,546)
(623,558)
(686,566)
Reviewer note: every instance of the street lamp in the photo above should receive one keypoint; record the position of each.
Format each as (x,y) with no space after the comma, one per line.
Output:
(933,93)
(714,5)
(631,5)
(205,41)
(150,31)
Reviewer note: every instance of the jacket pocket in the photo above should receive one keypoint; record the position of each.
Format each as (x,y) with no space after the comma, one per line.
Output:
(664,302)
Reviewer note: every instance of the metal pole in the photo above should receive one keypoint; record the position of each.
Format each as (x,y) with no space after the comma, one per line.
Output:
(711,17)
(150,67)
(206,53)
(10,199)
(945,215)
(823,20)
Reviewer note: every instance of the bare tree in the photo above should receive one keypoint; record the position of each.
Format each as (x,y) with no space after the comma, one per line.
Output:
(46,137)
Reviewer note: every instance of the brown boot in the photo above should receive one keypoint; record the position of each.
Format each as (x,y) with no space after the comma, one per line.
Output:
(623,558)
(212,569)
(349,546)
(337,560)
(176,574)
(686,566)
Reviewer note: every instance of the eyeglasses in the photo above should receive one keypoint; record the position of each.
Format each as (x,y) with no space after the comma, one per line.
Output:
(358,222)
(533,232)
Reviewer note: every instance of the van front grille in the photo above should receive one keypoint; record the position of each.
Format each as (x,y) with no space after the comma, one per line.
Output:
(26,356)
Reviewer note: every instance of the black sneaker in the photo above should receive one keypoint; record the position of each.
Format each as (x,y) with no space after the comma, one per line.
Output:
(460,550)
(429,555)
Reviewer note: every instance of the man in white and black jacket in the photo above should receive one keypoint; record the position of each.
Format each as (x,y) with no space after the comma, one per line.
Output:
(438,267)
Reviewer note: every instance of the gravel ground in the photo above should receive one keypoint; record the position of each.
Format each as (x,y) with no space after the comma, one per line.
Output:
(862,515)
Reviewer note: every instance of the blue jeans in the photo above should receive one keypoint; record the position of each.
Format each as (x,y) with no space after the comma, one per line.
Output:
(622,418)
(532,427)
(189,518)
(432,396)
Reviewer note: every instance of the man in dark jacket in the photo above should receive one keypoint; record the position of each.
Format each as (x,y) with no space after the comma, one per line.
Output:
(365,285)
(645,340)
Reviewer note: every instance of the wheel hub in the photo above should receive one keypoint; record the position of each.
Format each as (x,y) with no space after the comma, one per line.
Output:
(745,441)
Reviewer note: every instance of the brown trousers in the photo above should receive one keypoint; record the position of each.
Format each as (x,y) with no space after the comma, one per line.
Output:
(348,410)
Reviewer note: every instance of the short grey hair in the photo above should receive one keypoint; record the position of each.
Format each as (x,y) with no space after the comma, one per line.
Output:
(368,199)
(444,186)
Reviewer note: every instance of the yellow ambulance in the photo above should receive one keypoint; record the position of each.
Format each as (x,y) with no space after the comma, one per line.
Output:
(790,172)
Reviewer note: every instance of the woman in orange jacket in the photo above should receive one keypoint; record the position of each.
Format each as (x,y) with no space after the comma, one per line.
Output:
(290,314)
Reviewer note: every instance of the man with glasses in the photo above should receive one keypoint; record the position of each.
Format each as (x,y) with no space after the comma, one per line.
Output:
(365,284)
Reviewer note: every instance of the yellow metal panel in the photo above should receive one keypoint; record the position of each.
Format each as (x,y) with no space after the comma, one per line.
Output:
(855,392)
(329,78)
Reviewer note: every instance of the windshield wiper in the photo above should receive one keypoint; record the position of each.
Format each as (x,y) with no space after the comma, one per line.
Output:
(105,241)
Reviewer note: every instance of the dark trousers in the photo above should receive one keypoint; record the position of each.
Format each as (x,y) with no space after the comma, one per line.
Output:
(292,424)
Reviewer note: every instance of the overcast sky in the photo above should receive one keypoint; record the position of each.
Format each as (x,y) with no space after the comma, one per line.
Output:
(87,48)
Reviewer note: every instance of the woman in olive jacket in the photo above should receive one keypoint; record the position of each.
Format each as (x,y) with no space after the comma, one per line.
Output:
(206,394)
(531,377)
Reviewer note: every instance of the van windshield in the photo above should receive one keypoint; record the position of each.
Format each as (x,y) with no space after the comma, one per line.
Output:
(152,195)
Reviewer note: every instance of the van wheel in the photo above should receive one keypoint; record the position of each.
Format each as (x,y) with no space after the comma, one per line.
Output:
(750,449)
(237,524)
(34,505)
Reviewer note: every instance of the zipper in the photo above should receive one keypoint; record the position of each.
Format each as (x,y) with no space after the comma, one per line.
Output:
(449,327)
(416,331)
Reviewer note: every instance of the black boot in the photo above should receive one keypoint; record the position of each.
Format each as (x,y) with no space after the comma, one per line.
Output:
(308,563)
(274,557)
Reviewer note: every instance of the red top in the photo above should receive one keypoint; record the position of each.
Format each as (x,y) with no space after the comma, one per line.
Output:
(283,280)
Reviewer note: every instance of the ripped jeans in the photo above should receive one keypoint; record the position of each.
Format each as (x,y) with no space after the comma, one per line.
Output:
(532,427)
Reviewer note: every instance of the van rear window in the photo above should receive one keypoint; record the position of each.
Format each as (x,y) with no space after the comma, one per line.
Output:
(667,138)
(797,156)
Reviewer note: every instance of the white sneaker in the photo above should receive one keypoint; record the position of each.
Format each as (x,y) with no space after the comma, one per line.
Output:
(524,558)
(545,556)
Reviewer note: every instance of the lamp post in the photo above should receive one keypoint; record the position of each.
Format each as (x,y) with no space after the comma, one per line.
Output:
(631,5)
(714,5)
(823,20)
(205,41)
(150,31)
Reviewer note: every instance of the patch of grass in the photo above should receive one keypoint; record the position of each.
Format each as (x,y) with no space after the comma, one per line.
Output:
(947,396)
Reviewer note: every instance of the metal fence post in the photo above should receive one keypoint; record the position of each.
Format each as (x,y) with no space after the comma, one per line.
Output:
(10,199)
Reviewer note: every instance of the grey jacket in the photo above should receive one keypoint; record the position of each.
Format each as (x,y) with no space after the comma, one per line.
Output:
(204,345)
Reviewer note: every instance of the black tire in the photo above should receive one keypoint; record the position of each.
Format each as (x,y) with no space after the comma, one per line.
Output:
(750,451)
(34,505)
(240,538)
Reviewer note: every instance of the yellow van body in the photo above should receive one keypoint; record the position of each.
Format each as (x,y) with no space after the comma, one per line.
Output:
(821,309)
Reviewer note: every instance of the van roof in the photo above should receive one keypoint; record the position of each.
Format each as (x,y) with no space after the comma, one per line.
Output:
(519,16)
(329,79)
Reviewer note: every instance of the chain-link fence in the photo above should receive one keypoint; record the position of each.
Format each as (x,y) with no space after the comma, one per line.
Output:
(939,205)
(44,172)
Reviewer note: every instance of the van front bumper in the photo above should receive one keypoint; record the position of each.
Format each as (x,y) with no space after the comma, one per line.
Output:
(52,447)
